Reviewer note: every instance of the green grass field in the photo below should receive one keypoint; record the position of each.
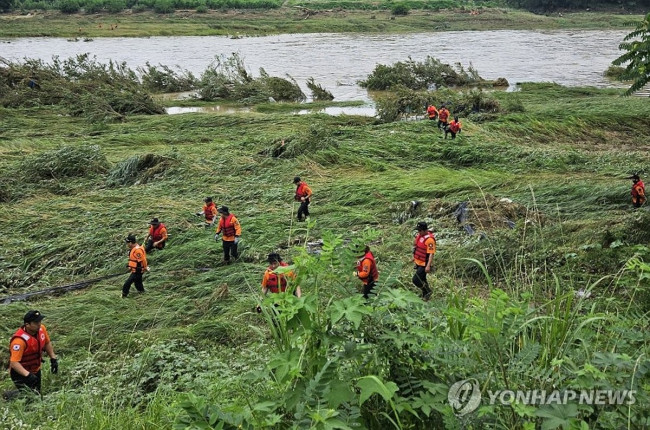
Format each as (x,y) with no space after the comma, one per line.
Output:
(293,19)
(555,171)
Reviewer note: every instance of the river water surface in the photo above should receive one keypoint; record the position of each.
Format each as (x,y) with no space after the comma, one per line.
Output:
(338,61)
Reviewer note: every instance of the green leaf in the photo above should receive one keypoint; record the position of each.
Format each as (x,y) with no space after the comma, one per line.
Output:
(371,384)
(557,415)
(352,309)
(339,393)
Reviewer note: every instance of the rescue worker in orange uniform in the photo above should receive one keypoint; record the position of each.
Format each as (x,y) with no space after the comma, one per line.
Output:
(229,226)
(432,112)
(137,265)
(424,248)
(303,195)
(26,348)
(638,191)
(277,282)
(367,271)
(443,117)
(209,212)
(453,127)
(157,237)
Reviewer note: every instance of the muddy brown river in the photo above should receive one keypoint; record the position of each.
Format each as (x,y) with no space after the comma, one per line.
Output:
(338,61)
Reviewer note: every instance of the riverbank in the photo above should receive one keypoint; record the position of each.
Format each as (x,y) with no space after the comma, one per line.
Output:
(294,20)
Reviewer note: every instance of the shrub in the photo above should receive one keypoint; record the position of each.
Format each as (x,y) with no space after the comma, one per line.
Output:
(403,102)
(69,6)
(66,162)
(138,8)
(202,9)
(431,73)
(227,78)
(139,168)
(81,84)
(163,6)
(318,93)
(614,72)
(400,9)
(115,6)
(163,79)
(281,89)
(93,6)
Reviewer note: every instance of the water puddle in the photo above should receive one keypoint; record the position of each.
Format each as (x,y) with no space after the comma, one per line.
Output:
(332,110)
(176,110)
(335,111)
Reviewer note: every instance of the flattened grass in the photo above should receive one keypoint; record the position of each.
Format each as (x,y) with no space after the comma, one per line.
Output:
(557,159)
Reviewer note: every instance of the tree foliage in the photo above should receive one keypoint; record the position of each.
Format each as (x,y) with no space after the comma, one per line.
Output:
(5,5)
(549,5)
(637,57)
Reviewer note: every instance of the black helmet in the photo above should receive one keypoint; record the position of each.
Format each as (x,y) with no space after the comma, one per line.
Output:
(296,179)
(130,239)
(207,199)
(422,226)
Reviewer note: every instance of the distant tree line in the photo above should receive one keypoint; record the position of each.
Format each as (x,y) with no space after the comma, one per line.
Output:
(116,6)
(551,5)
(399,8)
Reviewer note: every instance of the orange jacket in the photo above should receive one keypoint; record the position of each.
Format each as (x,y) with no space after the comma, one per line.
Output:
(432,111)
(272,279)
(454,126)
(209,211)
(443,114)
(302,190)
(159,233)
(230,227)
(367,269)
(28,349)
(424,248)
(638,193)
(137,259)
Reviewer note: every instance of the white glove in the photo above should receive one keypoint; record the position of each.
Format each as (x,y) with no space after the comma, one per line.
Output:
(216,236)
(148,269)
(236,240)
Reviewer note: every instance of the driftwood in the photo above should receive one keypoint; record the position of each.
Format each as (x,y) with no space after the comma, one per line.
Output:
(62,288)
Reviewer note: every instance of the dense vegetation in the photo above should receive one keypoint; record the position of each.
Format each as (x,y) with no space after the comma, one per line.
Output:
(637,56)
(549,291)
(398,8)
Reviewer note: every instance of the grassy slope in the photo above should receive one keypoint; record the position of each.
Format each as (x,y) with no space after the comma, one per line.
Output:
(292,20)
(563,147)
